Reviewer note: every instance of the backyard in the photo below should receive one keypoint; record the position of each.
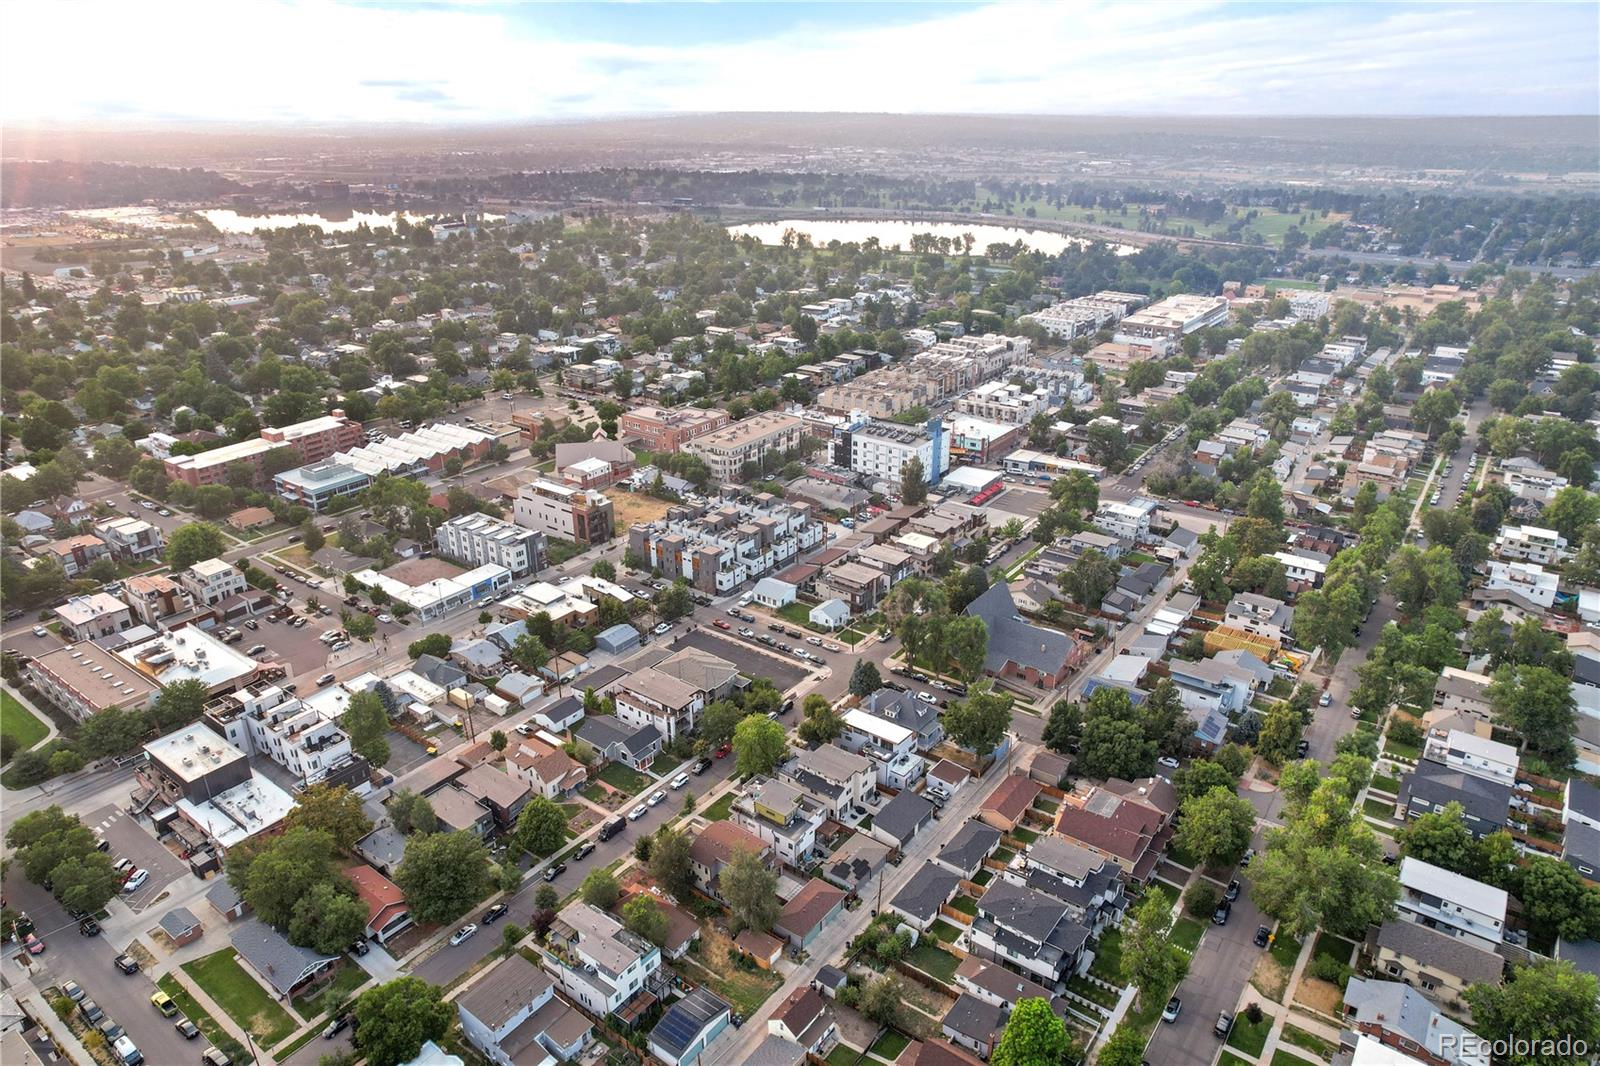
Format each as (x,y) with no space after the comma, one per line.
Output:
(934,960)
(743,986)
(244,1000)
(331,994)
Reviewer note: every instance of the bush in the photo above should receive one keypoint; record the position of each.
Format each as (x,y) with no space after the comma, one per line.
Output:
(1200,900)
(1253,1012)
(1405,731)
(1326,968)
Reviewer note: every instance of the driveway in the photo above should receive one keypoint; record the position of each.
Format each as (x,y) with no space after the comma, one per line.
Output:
(131,839)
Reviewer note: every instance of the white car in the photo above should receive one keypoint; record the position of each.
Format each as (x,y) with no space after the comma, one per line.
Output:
(744,601)
(680,781)
(1168,761)
(656,797)
(463,934)
(1327,698)
(927,697)
(747,632)
(662,627)
(40,631)
(830,646)
(386,618)
(136,881)
(815,642)
(637,813)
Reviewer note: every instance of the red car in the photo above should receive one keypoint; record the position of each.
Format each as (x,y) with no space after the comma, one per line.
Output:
(722,752)
(720,624)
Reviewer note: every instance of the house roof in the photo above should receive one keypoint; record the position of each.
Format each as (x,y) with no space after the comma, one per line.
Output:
(1439,784)
(456,809)
(1448,954)
(1457,889)
(855,862)
(178,921)
(223,896)
(604,730)
(810,906)
(924,894)
(1013,796)
(700,670)
(903,816)
(803,1008)
(974,1018)
(938,1053)
(1583,797)
(485,782)
(972,843)
(1007,984)
(1013,640)
(506,988)
(653,683)
(283,965)
(686,1020)
(951,773)
(1399,1008)
(718,842)
(375,890)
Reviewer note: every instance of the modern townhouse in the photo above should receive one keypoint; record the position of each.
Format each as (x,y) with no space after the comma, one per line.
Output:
(1088,883)
(1434,785)
(1128,822)
(600,964)
(1028,931)
(483,540)
(784,817)
(717,549)
(905,710)
(1401,1018)
(131,539)
(566,512)
(652,698)
(1530,544)
(891,747)
(301,735)
(92,616)
(76,554)
(211,581)
(715,846)
(1451,903)
(842,781)
(1441,965)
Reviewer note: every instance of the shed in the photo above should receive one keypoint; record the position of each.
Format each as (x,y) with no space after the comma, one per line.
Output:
(181,926)
(225,900)
(618,640)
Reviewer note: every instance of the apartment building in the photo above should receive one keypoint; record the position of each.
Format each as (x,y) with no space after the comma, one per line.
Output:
(1130,520)
(310,441)
(1161,327)
(131,539)
(650,697)
(1003,401)
(483,540)
(891,746)
(95,615)
(784,817)
(1530,580)
(211,581)
(717,548)
(1451,903)
(663,429)
(154,597)
(1531,544)
(880,450)
(840,779)
(726,450)
(599,963)
(580,515)
(82,680)
(301,735)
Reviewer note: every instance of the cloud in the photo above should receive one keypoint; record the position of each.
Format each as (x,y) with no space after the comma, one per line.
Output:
(328,62)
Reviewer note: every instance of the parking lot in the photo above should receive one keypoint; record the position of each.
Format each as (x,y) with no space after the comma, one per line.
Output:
(752,660)
(1029,503)
(131,839)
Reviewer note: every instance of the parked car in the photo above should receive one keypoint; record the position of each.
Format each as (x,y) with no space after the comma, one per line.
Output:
(558,869)
(720,624)
(72,990)
(40,631)
(584,851)
(88,927)
(1263,935)
(136,881)
(662,627)
(213,1057)
(701,765)
(186,1028)
(722,752)
(34,945)
(680,780)
(1168,761)
(637,813)
(1327,698)
(1220,915)
(324,680)
(462,935)
(1232,892)
(1224,1025)
(656,797)
(495,913)
(127,964)
(91,1011)
(1173,1008)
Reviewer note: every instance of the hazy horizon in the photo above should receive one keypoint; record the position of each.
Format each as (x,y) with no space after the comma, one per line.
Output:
(320,64)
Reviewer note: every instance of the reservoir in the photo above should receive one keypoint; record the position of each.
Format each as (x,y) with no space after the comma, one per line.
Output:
(229,221)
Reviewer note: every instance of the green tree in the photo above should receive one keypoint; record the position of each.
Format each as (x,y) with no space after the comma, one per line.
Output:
(819,722)
(966,641)
(1215,828)
(435,644)
(1557,901)
(540,828)
(328,918)
(367,722)
(1034,1036)
(674,602)
(1090,579)
(1548,1001)
(333,809)
(751,891)
(759,745)
(443,875)
(113,731)
(193,543)
(1280,732)
(1114,743)
(1536,702)
(1440,838)
(412,813)
(600,890)
(865,679)
(394,1020)
(282,872)
(530,653)
(883,999)
(1200,777)
(1064,726)
(980,722)
(670,863)
(1149,961)
(718,722)
(179,704)
(913,481)
(1124,1048)
(644,916)
(56,847)
(361,626)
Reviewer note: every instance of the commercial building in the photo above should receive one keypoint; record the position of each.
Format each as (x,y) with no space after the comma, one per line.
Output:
(663,429)
(309,441)
(482,540)
(82,680)
(419,452)
(317,485)
(880,450)
(582,516)
(718,547)
(1003,401)
(203,787)
(726,450)
(437,596)
(1161,327)
(1085,315)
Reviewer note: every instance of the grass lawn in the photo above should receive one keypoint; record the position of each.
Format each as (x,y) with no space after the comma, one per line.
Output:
(1186,934)
(965,904)
(983,877)
(1285,949)
(1336,948)
(209,1027)
(851,637)
(843,1055)
(944,931)
(1164,890)
(888,1046)
(664,764)
(1228,1058)
(1027,836)
(1181,857)
(1249,1038)
(1092,992)
(1410,752)
(237,993)
(1378,808)
(1293,1034)
(623,777)
(332,994)
(929,958)
(1107,963)
(1390,785)
(719,811)
(19,723)
(560,550)
(799,614)
(1287,1058)
(1004,855)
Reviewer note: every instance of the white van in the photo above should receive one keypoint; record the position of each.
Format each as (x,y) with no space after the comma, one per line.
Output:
(127,1052)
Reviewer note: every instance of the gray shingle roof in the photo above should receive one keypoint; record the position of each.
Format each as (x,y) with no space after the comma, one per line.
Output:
(972,843)
(925,893)
(1436,783)
(280,963)
(1439,951)
(903,816)
(178,921)
(1013,640)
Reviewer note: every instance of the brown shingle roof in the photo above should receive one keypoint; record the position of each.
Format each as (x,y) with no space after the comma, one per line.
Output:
(810,906)
(718,841)
(1012,797)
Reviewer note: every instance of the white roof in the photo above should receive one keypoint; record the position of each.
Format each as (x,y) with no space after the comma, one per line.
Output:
(242,811)
(188,654)
(82,609)
(1453,887)
(192,751)
(1482,747)
(888,732)
(1300,562)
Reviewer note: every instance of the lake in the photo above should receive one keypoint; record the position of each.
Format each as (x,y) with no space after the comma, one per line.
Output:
(894,231)
(229,221)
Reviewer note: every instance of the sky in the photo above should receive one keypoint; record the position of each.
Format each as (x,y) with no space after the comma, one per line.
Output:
(324,62)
